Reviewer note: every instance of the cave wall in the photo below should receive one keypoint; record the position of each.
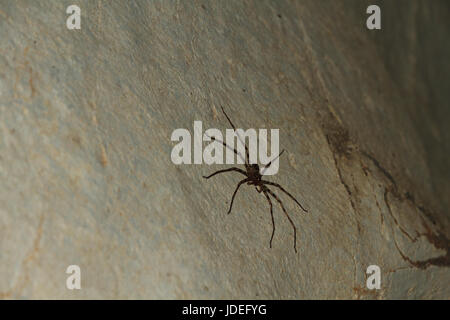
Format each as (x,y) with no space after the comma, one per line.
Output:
(86,176)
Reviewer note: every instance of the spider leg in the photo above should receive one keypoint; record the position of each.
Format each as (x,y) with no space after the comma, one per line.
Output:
(225,170)
(271,213)
(264,168)
(227,146)
(282,189)
(243,142)
(289,218)
(235,191)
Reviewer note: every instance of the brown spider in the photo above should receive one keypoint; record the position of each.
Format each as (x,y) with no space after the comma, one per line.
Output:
(254,177)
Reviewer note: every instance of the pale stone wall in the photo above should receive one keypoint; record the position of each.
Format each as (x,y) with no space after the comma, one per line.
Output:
(86,177)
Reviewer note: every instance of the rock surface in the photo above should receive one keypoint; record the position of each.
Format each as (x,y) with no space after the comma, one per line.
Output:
(86,176)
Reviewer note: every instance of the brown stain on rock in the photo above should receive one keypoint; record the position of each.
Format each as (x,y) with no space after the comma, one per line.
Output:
(360,292)
(30,257)
(343,149)
(103,159)
(30,82)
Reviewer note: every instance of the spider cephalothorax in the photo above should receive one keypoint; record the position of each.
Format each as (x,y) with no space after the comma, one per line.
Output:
(254,177)
(253,172)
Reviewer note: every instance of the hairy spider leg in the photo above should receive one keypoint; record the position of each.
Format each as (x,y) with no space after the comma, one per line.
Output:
(271,213)
(235,191)
(282,189)
(270,162)
(225,170)
(289,218)
(243,142)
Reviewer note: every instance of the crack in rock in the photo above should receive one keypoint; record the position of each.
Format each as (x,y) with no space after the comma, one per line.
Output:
(342,148)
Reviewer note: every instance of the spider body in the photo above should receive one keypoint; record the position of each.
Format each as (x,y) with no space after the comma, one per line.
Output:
(254,176)
(253,173)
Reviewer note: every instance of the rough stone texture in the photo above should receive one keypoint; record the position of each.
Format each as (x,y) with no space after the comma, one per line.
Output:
(85,170)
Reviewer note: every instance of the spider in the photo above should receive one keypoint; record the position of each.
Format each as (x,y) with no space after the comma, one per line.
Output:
(254,177)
